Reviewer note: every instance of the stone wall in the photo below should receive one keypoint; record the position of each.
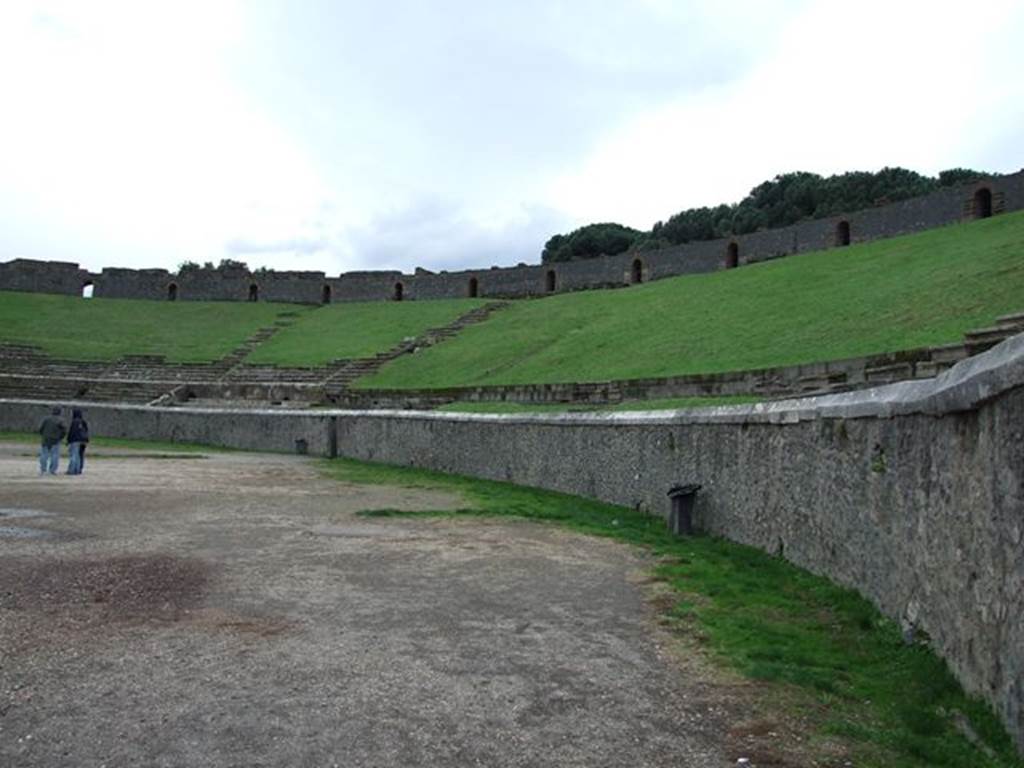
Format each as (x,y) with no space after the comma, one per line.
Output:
(912,493)
(943,207)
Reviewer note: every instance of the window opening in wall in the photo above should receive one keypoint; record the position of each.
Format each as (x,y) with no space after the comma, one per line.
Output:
(254,292)
(172,292)
(474,288)
(87,289)
(983,203)
(638,271)
(551,278)
(325,296)
(843,233)
(732,256)
(399,290)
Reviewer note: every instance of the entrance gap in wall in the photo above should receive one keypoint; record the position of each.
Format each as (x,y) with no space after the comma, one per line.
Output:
(88,289)
(638,271)
(983,203)
(172,292)
(732,256)
(474,288)
(551,281)
(843,233)
(325,295)
(399,290)
(254,292)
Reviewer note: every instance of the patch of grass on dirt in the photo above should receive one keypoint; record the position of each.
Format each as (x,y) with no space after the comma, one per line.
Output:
(888,703)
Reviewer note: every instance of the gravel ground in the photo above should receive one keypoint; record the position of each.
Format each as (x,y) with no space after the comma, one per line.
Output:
(231,610)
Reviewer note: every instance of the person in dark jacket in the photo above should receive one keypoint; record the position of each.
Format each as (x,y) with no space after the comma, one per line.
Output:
(52,431)
(78,436)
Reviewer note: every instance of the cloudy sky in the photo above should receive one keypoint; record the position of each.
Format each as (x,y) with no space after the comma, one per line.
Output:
(339,135)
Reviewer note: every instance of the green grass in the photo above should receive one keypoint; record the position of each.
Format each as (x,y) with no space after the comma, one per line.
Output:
(72,328)
(359,329)
(668,403)
(822,650)
(894,294)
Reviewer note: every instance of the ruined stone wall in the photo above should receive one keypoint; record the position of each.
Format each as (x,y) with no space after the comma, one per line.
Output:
(943,207)
(42,276)
(912,493)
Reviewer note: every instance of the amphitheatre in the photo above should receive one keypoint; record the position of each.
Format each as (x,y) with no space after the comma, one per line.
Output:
(403,519)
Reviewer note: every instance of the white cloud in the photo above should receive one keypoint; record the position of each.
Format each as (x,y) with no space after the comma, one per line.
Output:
(310,135)
(924,86)
(124,126)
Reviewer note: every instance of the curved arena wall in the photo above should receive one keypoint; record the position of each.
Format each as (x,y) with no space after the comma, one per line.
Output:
(946,206)
(911,493)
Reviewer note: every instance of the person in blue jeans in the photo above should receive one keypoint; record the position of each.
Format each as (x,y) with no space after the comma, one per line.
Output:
(78,436)
(52,431)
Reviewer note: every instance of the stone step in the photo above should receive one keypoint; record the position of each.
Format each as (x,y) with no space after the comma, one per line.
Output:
(1013,321)
(887,373)
(985,338)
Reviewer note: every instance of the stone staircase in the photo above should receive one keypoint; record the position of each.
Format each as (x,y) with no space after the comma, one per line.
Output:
(985,338)
(231,364)
(341,373)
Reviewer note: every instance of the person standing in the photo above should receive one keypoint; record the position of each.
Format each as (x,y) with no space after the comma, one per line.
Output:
(52,431)
(78,436)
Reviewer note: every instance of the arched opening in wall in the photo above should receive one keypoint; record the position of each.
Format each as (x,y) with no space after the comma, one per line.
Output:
(88,289)
(983,203)
(637,272)
(254,292)
(732,256)
(551,281)
(325,295)
(843,233)
(399,291)
(474,288)
(172,292)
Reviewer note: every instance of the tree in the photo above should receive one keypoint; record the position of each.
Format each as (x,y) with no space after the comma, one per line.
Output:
(590,241)
(778,202)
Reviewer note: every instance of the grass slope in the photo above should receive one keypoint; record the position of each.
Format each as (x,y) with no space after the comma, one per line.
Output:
(73,328)
(824,655)
(359,329)
(889,295)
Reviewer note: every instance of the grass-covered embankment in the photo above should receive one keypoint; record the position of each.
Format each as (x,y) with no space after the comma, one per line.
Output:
(889,295)
(822,655)
(73,328)
(358,329)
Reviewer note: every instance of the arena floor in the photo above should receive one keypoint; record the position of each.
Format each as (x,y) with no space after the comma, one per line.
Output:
(231,609)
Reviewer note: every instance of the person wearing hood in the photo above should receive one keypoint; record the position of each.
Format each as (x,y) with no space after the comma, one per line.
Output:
(78,436)
(52,431)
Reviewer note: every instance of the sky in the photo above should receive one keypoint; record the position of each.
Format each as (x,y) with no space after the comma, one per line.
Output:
(337,135)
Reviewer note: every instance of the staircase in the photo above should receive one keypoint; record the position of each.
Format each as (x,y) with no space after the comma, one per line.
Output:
(232,363)
(341,373)
(985,338)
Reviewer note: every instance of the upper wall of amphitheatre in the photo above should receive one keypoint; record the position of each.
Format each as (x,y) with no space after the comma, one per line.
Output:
(947,206)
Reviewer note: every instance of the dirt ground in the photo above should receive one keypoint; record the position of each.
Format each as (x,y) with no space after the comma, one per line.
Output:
(231,610)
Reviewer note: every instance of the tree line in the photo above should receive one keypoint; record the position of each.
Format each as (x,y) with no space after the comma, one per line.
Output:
(779,202)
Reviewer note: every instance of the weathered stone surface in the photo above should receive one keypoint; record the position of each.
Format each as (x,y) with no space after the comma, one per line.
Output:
(912,493)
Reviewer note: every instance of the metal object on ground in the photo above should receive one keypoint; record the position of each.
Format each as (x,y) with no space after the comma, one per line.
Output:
(680,519)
